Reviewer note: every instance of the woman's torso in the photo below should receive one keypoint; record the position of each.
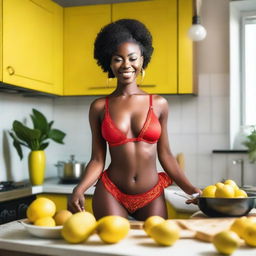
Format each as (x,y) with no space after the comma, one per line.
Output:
(133,163)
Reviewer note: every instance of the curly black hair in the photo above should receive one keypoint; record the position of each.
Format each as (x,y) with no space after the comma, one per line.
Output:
(118,32)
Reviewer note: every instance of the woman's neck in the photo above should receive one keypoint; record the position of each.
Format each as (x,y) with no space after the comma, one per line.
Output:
(127,90)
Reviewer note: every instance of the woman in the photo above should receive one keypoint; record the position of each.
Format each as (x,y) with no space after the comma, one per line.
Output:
(134,124)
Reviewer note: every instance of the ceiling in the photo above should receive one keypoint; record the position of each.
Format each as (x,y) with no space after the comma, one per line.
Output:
(69,3)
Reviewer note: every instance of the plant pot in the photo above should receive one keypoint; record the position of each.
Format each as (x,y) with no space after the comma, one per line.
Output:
(36,164)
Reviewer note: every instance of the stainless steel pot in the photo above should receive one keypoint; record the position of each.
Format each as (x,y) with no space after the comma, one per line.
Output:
(70,171)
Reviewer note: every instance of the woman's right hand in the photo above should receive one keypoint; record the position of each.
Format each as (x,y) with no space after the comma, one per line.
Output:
(76,201)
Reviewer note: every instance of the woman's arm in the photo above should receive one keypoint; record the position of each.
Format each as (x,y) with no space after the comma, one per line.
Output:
(97,161)
(165,156)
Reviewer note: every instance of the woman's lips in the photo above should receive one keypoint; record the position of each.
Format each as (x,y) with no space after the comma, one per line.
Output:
(126,75)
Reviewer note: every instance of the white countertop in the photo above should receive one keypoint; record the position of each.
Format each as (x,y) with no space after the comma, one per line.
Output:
(14,237)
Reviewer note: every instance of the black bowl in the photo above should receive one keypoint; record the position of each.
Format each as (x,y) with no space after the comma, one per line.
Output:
(227,207)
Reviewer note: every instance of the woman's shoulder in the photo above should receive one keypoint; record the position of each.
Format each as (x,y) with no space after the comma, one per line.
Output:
(160,101)
(98,104)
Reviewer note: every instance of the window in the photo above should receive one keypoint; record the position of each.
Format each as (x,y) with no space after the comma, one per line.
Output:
(248,36)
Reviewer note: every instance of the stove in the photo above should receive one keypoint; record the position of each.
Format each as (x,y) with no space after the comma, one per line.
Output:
(11,185)
(14,209)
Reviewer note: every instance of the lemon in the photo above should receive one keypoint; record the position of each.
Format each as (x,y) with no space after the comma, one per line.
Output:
(39,208)
(219,184)
(62,216)
(209,191)
(111,229)
(226,242)
(249,234)
(78,227)
(240,193)
(231,183)
(45,222)
(165,233)
(225,191)
(240,224)
(150,222)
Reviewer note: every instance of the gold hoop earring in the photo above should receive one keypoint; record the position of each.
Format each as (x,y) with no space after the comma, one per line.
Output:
(109,79)
(142,72)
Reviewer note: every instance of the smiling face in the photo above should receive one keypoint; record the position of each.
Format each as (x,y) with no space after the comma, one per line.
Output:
(127,62)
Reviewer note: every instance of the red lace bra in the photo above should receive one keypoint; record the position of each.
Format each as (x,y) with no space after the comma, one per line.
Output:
(149,133)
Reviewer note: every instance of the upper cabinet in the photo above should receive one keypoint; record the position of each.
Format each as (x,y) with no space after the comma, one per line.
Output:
(170,70)
(33,45)
(82,75)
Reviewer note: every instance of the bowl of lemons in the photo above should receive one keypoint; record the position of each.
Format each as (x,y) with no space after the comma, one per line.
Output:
(43,220)
(226,199)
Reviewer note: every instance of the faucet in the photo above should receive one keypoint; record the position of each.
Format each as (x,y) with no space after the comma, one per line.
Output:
(241,162)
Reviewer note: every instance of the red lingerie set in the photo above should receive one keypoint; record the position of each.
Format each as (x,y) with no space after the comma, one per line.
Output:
(150,133)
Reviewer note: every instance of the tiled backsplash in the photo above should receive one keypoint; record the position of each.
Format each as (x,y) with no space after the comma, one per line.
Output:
(196,125)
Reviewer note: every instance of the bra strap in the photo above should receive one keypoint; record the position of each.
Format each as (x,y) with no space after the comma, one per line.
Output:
(150,100)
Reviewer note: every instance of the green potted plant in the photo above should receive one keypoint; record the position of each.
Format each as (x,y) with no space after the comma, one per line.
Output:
(250,143)
(37,140)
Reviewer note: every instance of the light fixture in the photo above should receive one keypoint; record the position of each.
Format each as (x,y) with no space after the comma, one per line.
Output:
(197,32)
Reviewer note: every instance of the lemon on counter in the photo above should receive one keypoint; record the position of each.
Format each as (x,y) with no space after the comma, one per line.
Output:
(249,234)
(45,222)
(39,208)
(240,224)
(79,227)
(62,216)
(165,233)
(209,191)
(111,229)
(226,242)
(151,222)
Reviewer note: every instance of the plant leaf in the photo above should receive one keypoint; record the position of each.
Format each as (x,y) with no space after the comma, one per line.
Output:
(57,135)
(44,146)
(17,145)
(30,136)
(39,121)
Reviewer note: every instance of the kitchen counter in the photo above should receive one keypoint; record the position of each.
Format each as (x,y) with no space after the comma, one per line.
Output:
(14,237)
(51,185)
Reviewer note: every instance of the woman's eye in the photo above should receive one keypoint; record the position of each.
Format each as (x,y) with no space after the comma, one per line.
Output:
(117,60)
(133,59)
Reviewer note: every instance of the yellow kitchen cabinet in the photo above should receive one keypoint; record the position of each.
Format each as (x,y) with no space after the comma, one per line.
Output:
(170,70)
(33,45)
(61,201)
(82,75)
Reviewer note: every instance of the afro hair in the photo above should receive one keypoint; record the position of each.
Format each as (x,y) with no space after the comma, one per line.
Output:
(120,31)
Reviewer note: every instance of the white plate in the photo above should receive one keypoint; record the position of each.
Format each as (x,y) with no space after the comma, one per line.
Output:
(39,231)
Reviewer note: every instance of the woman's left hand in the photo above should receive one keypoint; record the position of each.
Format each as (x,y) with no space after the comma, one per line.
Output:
(194,196)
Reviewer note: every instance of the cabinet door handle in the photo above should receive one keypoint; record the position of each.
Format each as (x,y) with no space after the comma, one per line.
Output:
(10,70)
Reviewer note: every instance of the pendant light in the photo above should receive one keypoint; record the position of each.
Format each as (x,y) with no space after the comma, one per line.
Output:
(197,32)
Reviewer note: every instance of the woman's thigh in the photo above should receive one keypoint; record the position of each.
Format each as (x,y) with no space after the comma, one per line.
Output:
(103,203)
(156,207)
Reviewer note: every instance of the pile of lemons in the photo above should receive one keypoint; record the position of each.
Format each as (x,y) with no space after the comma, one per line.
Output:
(42,212)
(226,189)
(243,228)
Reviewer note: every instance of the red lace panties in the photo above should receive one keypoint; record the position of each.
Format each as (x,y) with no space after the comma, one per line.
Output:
(136,201)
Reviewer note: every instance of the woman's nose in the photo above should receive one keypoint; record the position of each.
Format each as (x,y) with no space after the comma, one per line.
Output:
(126,64)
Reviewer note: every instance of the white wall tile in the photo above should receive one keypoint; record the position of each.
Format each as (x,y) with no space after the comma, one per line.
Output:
(204,170)
(204,86)
(204,114)
(220,117)
(219,168)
